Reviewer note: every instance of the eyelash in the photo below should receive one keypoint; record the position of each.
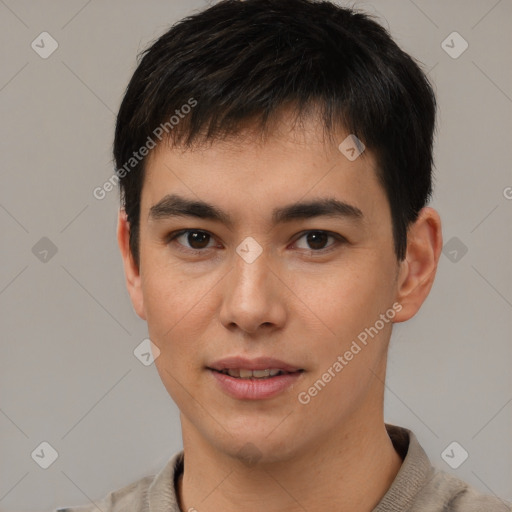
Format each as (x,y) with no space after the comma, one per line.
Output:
(176,234)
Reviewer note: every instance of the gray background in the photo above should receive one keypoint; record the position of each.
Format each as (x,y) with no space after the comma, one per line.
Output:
(68,374)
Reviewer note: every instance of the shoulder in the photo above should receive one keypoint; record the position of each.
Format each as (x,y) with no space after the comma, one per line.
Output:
(141,495)
(420,487)
(131,497)
(447,493)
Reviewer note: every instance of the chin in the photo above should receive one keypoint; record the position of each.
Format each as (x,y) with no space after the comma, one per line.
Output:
(258,448)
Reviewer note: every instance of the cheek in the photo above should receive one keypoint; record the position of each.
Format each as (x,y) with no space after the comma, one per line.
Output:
(178,312)
(166,293)
(345,362)
(346,303)
(350,295)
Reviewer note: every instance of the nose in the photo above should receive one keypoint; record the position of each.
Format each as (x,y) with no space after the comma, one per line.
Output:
(253,297)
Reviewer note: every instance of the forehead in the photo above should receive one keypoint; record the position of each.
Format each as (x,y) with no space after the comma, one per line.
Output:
(243,173)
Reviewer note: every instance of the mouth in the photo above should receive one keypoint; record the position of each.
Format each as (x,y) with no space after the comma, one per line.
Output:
(246,374)
(255,379)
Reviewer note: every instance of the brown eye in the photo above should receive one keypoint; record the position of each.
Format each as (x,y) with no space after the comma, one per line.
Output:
(317,240)
(193,239)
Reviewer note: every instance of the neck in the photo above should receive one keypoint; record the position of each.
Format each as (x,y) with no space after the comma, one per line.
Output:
(349,470)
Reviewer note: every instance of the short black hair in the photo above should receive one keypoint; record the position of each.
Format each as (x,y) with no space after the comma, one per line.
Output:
(241,62)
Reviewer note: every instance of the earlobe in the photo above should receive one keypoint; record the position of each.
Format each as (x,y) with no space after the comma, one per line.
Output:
(418,270)
(131,271)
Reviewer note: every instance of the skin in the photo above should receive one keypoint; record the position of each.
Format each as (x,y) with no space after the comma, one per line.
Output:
(292,303)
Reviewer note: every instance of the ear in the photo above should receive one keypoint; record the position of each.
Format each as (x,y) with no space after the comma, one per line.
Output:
(131,271)
(417,271)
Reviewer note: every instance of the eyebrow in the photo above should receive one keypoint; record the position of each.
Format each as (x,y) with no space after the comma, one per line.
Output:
(177,206)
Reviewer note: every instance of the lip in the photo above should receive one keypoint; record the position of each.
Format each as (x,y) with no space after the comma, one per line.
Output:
(259,363)
(254,389)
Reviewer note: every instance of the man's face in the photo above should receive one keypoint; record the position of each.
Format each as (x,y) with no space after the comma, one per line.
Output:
(318,283)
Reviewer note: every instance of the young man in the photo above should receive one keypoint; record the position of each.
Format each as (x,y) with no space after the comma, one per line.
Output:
(275,162)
